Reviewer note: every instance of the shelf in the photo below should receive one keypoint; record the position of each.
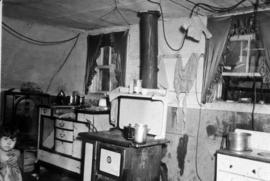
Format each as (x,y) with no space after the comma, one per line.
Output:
(242,74)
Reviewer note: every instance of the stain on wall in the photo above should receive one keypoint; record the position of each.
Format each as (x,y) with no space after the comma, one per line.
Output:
(191,164)
(181,153)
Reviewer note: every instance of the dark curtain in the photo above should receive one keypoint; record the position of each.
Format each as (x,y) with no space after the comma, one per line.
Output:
(263,20)
(117,40)
(120,45)
(219,27)
(93,51)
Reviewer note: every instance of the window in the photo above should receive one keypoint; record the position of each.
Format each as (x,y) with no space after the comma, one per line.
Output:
(242,78)
(106,61)
(105,77)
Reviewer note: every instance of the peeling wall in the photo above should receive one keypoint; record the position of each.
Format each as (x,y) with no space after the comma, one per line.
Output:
(203,130)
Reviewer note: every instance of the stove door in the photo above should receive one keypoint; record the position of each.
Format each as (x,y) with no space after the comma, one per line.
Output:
(110,160)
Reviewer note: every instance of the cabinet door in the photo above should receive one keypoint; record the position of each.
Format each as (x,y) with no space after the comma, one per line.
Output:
(101,122)
(88,161)
(77,144)
(47,132)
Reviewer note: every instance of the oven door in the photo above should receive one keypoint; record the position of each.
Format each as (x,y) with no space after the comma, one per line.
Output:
(110,159)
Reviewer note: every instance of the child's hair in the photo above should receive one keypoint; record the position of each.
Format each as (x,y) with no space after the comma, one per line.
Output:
(9,131)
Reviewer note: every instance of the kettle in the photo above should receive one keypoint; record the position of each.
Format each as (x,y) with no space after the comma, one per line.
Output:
(60,98)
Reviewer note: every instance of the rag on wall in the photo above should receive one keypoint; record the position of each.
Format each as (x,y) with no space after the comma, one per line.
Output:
(184,77)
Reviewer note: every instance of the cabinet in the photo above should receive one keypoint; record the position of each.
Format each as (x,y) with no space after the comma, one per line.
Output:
(238,168)
(21,109)
(58,144)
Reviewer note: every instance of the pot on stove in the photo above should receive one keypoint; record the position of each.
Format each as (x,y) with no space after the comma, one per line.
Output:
(140,134)
(238,141)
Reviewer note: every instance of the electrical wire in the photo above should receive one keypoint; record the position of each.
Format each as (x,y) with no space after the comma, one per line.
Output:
(198,131)
(164,33)
(213,9)
(64,62)
(33,41)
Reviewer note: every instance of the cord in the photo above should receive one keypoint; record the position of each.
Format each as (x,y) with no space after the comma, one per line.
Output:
(64,62)
(163,28)
(31,40)
(198,131)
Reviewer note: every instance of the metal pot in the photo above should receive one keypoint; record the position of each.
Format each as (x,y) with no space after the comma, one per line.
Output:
(140,134)
(238,141)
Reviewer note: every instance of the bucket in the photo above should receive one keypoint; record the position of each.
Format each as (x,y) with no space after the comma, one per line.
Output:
(238,141)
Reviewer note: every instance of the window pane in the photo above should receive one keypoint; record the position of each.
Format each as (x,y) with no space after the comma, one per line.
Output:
(106,58)
(105,79)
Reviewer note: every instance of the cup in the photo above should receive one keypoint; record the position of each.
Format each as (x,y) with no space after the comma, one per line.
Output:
(137,86)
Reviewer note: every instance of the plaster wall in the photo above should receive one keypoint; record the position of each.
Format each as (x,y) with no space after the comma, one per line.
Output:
(27,62)
(191,147)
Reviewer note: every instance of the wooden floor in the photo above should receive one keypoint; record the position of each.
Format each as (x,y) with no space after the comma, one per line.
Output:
(49,175)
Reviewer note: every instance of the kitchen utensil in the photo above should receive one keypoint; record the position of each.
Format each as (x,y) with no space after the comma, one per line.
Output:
(137,86)
(129,132)
(102,102)
(140,134)
(238,141)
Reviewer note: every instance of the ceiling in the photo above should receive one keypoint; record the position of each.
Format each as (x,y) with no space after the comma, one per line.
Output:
(96,14)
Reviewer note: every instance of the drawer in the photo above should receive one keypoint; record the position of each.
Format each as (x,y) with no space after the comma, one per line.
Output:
(45,111)
(245,167)
(64,124)
(63,147)
(60,161)
(64,134)
(85,117)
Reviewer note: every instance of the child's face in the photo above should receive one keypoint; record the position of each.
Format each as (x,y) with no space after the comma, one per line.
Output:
(7,143)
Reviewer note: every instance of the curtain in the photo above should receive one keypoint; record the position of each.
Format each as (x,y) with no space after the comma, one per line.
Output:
(219,27)
(93,51)
(120,45)
(263,20)
(119,41)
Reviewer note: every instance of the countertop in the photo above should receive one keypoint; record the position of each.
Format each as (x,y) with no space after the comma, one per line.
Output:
(115,136)
(255,154)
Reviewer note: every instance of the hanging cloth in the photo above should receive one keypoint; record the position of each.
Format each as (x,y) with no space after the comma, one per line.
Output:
(184,77)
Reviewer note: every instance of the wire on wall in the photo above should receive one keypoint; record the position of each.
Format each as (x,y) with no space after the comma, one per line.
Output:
(64,62)
(164,33)
(22,37)
(204,6)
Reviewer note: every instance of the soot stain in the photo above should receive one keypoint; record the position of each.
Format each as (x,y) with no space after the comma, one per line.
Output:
(181,153)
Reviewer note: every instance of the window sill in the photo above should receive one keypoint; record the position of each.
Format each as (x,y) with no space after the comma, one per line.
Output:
(238,107)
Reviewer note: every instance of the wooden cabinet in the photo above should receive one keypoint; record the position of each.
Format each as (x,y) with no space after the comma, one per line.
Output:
(58,136)
(21,109)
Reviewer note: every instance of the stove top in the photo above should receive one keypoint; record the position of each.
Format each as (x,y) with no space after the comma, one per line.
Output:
(255,154)
(115,136)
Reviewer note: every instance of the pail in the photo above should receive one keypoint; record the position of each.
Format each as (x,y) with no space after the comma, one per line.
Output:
(238,141)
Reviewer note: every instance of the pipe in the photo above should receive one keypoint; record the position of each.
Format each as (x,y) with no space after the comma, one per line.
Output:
(149,48)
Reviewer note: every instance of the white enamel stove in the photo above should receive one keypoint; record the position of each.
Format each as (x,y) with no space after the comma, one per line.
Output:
(251,165)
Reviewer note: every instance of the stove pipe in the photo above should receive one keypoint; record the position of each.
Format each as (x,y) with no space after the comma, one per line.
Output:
(149,48)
